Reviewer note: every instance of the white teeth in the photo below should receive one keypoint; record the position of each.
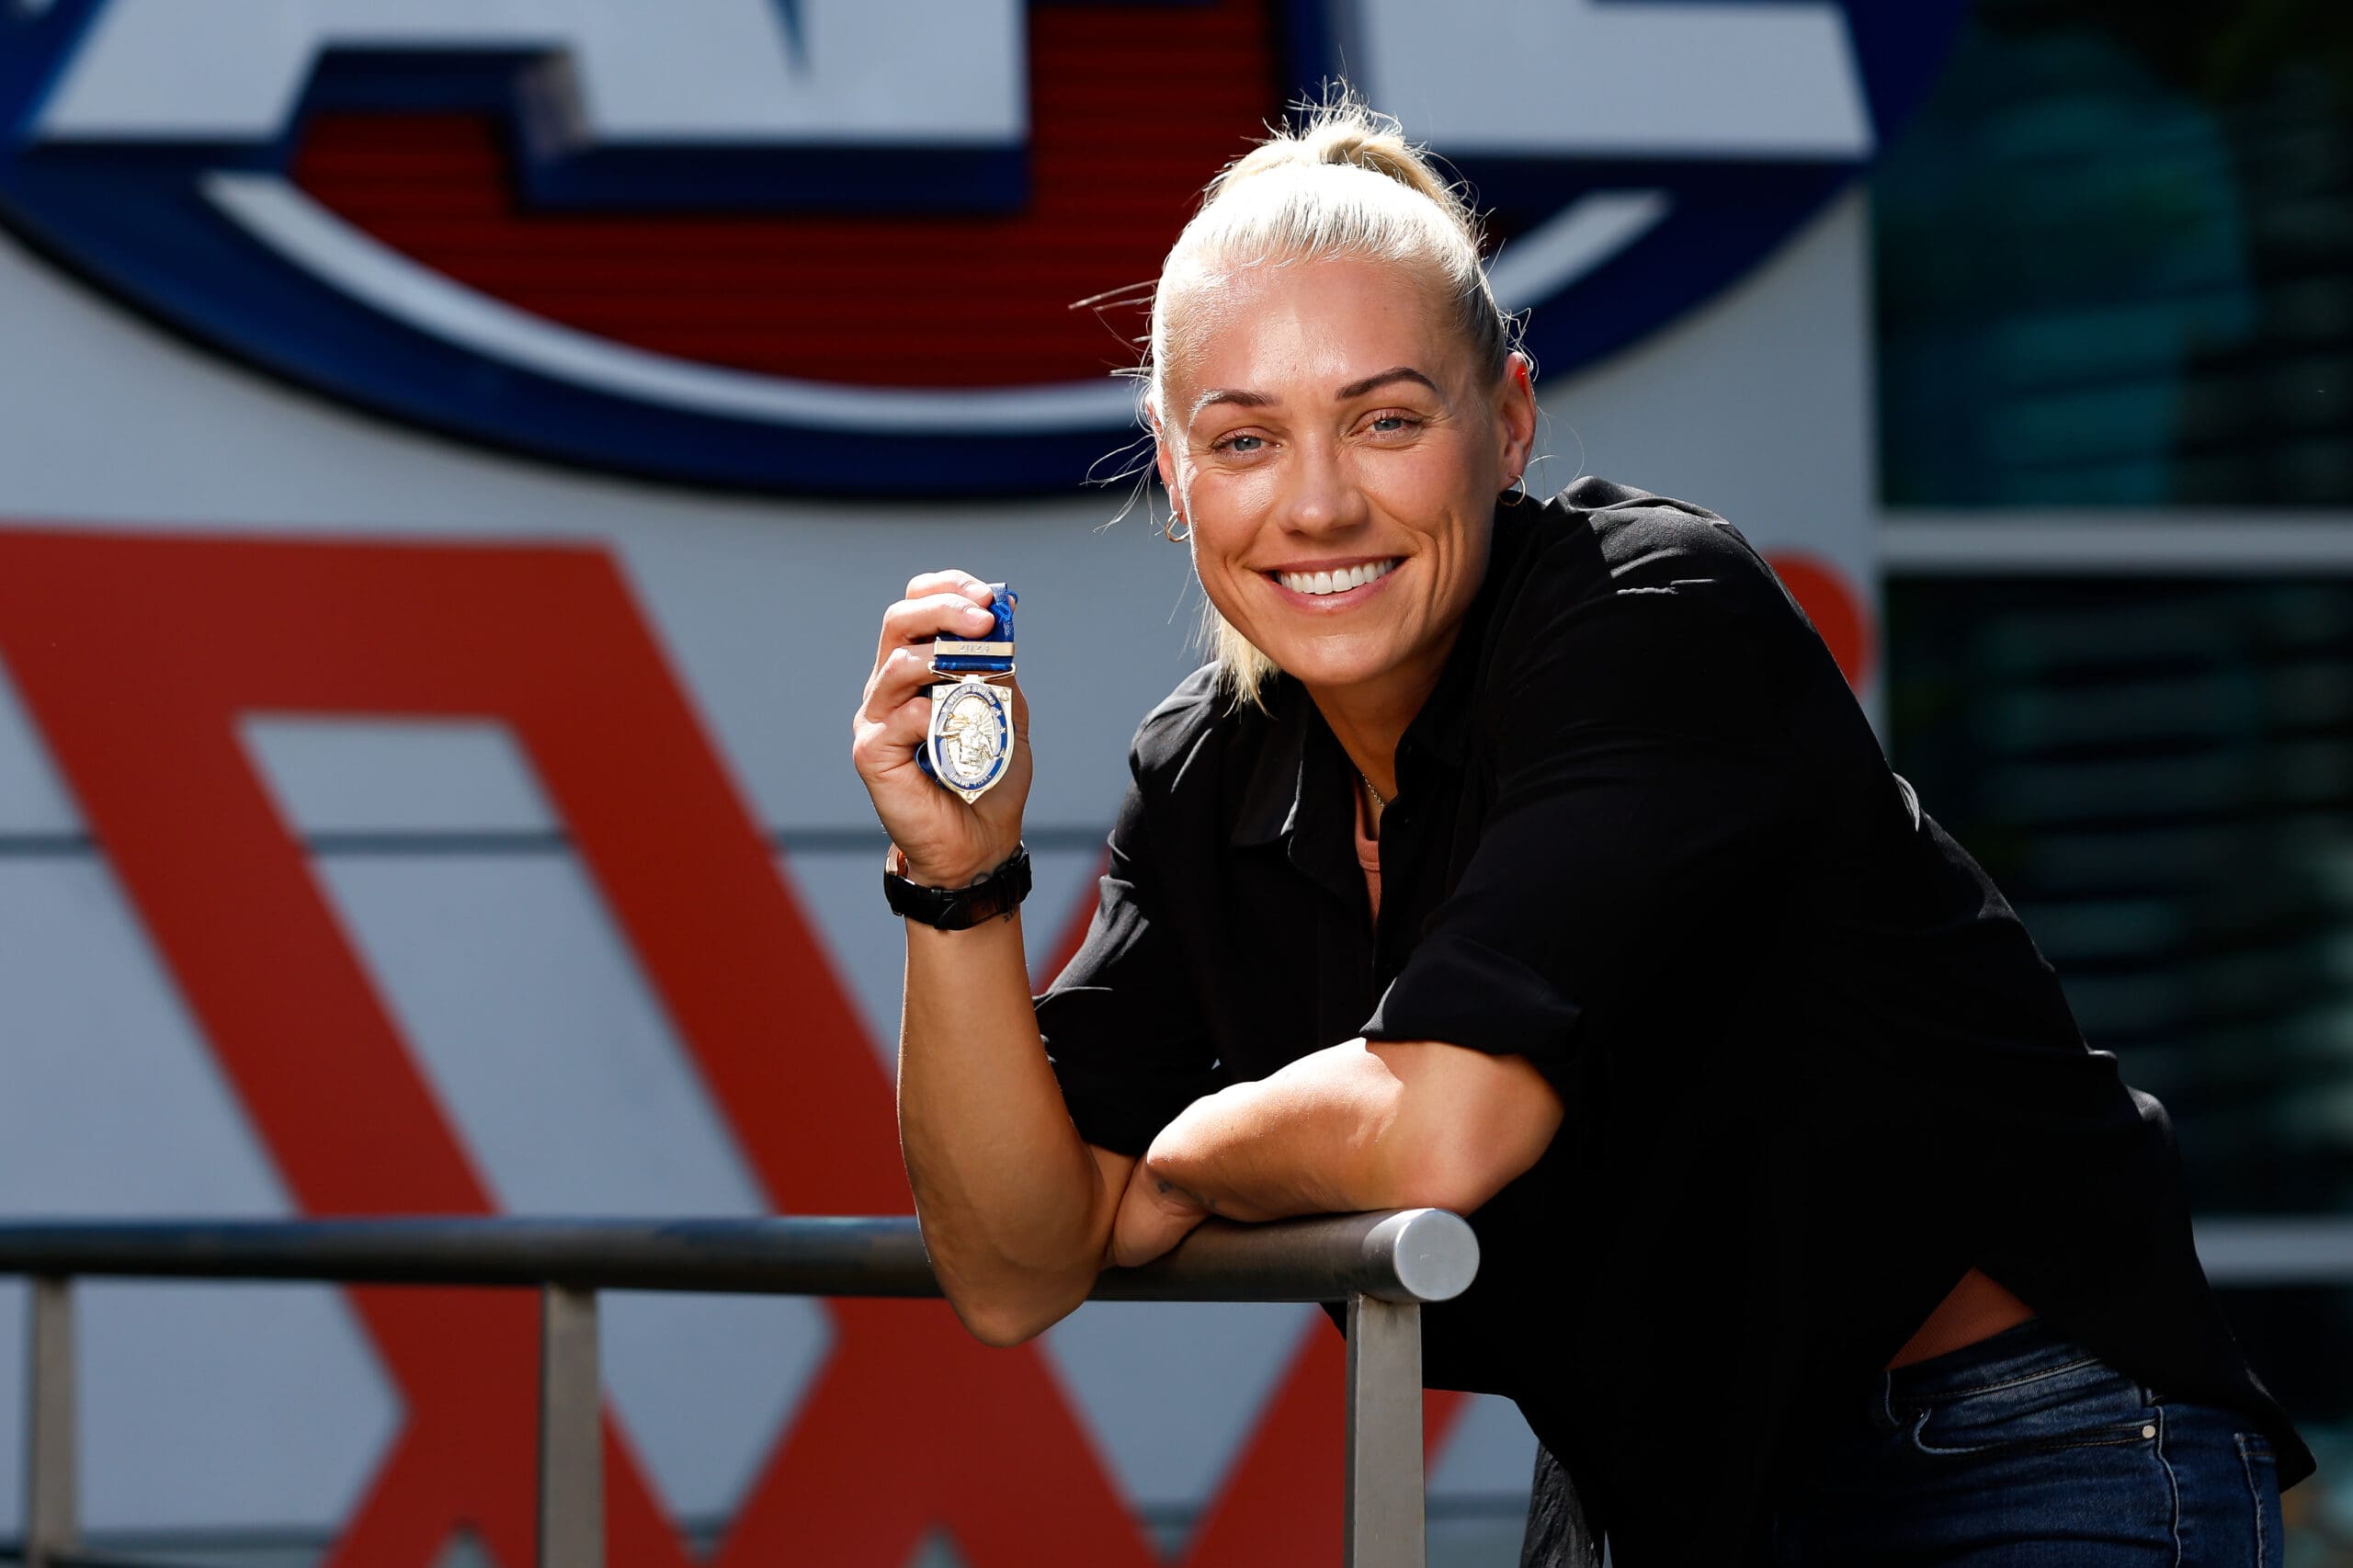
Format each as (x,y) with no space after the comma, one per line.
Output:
(1323,583)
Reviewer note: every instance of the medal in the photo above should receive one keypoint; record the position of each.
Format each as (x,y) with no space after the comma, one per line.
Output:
(970,742)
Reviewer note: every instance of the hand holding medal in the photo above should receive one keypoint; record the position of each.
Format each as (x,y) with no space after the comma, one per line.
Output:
(971,741)
(940,740)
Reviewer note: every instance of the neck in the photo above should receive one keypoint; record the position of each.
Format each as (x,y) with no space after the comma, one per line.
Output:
(1370,719)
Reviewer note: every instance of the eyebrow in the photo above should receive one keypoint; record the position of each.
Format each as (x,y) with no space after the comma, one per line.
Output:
(1394,373)
(1244,398)
(1227,394)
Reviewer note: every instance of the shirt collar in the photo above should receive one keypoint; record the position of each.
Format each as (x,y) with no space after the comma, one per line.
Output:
(1293,783)
(1270,801)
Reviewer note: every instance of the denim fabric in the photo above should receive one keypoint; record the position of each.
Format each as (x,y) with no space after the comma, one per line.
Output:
(2025,1451)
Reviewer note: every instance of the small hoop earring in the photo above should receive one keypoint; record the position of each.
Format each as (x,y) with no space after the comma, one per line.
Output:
(1167,529)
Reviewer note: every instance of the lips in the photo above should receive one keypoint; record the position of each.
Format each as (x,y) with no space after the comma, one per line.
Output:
(1321,585)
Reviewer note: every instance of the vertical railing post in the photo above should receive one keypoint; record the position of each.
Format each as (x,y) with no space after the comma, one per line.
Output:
(52,1510)
(1384,1494)
(571,1440)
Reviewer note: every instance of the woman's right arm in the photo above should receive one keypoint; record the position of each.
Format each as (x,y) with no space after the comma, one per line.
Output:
(1016,1208)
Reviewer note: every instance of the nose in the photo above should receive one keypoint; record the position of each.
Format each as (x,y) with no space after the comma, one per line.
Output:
(1320,495)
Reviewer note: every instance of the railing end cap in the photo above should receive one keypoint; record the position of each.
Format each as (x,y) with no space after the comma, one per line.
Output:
(1432,1252)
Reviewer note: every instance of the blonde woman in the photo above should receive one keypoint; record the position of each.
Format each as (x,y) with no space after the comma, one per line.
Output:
(1532,859)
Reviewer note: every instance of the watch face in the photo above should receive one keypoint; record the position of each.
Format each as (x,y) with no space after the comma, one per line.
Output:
(971,736)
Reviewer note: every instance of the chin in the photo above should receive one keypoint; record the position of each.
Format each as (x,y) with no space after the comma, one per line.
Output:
(1330,667)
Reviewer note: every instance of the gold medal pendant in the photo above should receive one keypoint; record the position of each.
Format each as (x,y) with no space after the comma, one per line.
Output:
(970,744)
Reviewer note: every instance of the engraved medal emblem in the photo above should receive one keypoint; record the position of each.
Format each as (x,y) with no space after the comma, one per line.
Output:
(971,736)
(970,742)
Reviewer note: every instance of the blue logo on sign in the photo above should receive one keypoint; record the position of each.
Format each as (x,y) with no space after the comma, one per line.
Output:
(827,245)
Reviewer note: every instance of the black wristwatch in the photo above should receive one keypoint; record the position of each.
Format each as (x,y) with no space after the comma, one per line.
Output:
(956,909)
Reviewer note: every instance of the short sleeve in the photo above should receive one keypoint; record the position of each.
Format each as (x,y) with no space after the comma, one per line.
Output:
(1645,794)
(1122,1025)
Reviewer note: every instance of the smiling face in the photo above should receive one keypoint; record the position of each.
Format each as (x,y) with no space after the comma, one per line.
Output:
(1337,446)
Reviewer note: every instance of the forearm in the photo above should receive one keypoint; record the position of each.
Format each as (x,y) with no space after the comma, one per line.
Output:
(1310,1139)
(1359,1126)
(1016,1208)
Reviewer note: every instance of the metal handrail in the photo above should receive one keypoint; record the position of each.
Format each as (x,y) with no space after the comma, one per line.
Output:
(1383,1266)
(1410,1255)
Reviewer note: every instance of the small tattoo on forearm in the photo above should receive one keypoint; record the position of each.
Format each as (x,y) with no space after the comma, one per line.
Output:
(1168,1186)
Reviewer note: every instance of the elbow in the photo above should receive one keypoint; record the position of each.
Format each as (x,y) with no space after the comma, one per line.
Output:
(1001,1327)
(1004,1315)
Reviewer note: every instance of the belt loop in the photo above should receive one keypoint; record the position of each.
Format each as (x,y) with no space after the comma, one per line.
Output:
(1883,1410)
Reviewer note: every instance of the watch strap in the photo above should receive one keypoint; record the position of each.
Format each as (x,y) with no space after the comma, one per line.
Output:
(956,909)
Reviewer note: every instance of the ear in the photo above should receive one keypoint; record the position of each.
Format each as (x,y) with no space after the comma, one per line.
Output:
(1515,416)
(1164,456)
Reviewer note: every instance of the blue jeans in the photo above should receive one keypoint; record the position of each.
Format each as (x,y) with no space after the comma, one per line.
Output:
(2025,1451)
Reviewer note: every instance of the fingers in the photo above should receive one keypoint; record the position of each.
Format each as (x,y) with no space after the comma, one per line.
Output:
(905,676)
(937,604)
(913,620)
(888,735)
(1154,1216)
(943,590)
(923,585)
(901,676)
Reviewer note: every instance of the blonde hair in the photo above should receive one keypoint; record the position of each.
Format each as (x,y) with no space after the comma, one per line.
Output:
(1339,181)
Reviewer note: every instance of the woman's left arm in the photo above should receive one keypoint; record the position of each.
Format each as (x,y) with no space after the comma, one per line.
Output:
(1362,1125)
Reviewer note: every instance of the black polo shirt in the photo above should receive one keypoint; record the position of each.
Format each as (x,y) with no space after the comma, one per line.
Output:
(1813,1068)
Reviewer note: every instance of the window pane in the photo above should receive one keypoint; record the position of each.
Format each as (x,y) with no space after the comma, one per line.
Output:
(2115,261)
(2159,773)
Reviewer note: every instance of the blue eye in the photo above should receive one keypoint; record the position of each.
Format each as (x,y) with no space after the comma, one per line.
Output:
(1234,443)
(1388,424)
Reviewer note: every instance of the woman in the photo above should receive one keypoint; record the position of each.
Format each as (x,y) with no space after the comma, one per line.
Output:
(1533,860)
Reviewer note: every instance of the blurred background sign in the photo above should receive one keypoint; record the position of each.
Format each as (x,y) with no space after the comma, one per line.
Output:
(452,458)
(830,245)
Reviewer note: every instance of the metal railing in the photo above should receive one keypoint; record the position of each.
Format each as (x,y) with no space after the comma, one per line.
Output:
(1382,1266)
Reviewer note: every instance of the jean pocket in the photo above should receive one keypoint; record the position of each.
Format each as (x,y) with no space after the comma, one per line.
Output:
(2083,1403)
